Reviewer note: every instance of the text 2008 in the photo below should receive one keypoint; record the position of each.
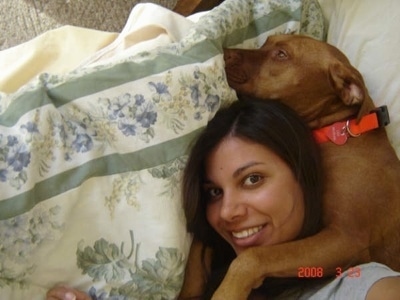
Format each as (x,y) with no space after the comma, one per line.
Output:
(310,272)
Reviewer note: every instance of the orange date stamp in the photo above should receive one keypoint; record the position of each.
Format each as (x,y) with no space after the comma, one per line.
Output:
(353,272)
(310,272)
(318,272)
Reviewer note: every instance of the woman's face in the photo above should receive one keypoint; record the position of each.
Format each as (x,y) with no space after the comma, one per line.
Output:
(254,198)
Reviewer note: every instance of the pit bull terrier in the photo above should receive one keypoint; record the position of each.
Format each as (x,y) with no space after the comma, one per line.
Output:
(361,203)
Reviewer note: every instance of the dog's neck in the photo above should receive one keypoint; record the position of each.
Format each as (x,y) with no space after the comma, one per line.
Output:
(332,110)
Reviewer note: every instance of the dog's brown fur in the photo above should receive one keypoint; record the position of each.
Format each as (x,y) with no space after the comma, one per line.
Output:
(361,204)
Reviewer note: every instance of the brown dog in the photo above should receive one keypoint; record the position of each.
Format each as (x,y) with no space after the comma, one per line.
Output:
(361,205)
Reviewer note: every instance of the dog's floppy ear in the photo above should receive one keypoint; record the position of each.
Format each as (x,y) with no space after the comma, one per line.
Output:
(349,86)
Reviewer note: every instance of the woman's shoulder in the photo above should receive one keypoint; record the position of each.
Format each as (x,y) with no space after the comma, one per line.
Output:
(355,283)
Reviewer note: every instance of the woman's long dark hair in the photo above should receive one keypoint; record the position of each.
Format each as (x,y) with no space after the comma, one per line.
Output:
(277,127)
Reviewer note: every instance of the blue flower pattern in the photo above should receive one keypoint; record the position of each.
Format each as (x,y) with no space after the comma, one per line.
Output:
(14,158)
(67,134)
(78,131)
(21,236)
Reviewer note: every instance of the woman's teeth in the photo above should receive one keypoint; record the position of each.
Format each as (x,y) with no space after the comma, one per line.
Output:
(246,233)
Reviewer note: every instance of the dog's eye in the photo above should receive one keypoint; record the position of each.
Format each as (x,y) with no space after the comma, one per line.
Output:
(280,54)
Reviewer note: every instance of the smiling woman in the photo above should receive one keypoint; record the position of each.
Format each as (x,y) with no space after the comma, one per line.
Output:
(254,198)
(259,184)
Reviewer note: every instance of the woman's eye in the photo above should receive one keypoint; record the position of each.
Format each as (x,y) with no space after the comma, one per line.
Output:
(252,179)
(214,192)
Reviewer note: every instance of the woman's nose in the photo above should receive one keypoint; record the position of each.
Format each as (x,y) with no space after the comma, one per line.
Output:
(232,208)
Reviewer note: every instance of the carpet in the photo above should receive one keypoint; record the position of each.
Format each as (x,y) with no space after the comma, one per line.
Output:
(22,20)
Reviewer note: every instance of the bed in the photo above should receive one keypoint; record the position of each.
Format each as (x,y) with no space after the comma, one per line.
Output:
(95,128)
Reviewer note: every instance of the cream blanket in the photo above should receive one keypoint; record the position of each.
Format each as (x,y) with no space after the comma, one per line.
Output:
(64,49)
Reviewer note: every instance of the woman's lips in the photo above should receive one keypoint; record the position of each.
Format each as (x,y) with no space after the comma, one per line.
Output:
(247,232)
(248,237)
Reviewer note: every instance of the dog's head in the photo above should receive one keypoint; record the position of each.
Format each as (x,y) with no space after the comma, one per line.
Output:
(312,77)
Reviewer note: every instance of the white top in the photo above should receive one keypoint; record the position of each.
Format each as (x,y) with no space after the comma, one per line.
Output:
(351,284)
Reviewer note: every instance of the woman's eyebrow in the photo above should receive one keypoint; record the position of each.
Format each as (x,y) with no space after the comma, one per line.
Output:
(246,166)
(237,172)
(207,182)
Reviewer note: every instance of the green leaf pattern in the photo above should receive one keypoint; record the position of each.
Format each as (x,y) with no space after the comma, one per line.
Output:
(156,278)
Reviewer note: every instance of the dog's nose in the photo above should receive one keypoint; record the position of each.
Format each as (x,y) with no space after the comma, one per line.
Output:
(231,56)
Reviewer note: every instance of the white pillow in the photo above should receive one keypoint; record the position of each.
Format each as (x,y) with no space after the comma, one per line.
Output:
(367,32)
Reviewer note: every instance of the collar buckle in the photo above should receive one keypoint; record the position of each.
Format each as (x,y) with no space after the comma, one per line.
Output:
(382,114)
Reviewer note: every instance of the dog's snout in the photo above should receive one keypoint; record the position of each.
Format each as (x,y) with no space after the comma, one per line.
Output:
(231,56)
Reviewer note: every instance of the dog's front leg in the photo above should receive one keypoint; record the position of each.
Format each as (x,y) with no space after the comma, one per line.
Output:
(328,250)
(241,278)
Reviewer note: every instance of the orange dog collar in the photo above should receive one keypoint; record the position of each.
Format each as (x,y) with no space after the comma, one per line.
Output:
(339,132)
